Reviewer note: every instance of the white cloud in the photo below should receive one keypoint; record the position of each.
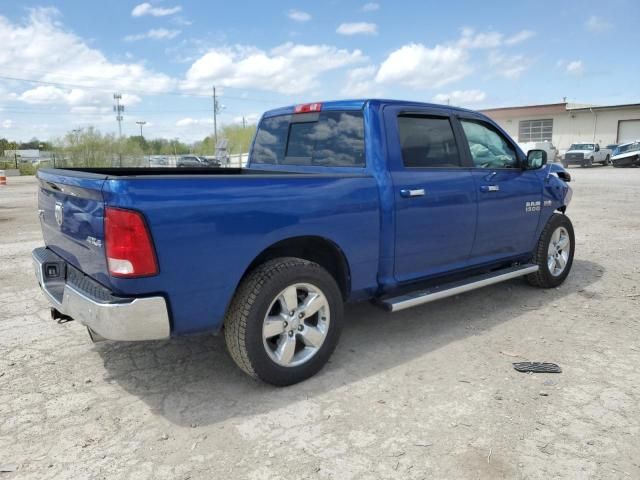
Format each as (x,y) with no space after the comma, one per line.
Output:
(508,66)
(597,24)
(361,83)
(470,39)
(461,97)
(421,67)
(7,123)
(189,122)
(41,49)
(148,9)
(299,16)
(289,68)
(575,67)
(154,34)
(357,28)
(370,7)
(519,37)
(75,97)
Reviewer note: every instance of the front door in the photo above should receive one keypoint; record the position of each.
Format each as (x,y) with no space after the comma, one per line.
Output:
(434,194)
(509,198)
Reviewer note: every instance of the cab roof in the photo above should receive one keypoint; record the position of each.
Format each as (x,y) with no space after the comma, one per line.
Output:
(358,104)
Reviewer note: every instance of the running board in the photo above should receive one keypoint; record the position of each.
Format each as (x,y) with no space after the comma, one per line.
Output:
(395,304)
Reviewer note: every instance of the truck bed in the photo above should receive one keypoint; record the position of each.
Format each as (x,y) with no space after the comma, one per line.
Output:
(207,226)
(119,172)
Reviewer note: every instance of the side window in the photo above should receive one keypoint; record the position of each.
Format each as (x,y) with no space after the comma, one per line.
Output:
(488,148)
(427,142)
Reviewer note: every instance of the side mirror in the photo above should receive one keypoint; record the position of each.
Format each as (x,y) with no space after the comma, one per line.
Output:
(597,148)
(535,159)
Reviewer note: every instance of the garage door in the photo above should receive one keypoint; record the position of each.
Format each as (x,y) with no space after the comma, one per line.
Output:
(628,131)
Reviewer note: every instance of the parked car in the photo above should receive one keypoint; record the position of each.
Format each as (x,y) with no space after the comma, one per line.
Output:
(158,161)
(552,152)
(612,147)
(586,154)
(402,203)
(195,161)
(627,155)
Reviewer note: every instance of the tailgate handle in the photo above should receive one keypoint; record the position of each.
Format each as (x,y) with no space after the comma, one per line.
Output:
(490,188)
(409,193)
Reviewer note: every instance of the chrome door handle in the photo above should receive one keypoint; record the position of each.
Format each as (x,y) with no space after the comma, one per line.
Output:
(490,188)
(408,193)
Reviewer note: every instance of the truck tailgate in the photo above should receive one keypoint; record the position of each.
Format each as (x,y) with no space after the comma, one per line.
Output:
(71,209)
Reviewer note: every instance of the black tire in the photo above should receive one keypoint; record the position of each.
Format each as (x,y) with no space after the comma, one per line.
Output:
(607,161)
(249,307)
(543,278)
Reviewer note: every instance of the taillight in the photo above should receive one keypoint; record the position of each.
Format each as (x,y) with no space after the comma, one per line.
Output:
(130,251)
(307,107)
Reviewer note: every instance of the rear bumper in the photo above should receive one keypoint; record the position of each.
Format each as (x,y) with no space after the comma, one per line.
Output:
(85,300)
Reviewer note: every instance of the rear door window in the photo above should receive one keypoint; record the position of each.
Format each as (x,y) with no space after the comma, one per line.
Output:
(427,142)
(333,138)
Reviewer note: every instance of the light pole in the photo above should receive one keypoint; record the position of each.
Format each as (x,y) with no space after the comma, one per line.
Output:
(141,123)
(118,109)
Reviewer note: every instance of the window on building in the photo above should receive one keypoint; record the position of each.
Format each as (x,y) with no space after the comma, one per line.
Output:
(535,130)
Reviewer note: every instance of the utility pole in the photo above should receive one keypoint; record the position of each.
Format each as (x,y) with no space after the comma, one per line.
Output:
(216,109)
(118,109)
(141,123)
(244,122)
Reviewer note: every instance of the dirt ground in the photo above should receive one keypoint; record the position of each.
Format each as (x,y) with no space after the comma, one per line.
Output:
(425,393)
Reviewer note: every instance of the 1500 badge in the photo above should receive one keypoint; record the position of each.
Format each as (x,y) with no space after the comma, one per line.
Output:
(532,207)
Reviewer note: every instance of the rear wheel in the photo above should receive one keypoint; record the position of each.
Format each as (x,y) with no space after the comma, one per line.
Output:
(607,161)
(554,253)
(284,321)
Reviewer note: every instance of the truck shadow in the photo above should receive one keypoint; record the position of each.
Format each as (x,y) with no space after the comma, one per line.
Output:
(192,380)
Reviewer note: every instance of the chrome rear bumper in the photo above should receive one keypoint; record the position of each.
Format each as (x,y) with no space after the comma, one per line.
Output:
(115,318)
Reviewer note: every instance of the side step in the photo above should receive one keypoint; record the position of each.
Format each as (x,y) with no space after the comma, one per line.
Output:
(395,304)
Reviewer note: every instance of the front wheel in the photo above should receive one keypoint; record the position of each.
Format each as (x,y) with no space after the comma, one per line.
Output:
(284,321)
(553,253)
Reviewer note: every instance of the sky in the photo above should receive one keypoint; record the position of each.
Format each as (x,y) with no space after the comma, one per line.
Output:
(62,61)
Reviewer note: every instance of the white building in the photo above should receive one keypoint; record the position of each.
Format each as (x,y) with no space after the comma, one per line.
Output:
(564,123)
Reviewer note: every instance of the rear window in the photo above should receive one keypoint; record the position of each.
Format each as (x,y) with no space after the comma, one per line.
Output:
(334,139)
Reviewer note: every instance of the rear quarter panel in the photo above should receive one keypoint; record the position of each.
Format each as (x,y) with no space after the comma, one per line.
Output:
(208,231)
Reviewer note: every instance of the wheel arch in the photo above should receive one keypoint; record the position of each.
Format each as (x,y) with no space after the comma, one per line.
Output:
(320,250)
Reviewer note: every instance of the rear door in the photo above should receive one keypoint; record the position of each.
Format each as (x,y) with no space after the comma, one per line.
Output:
(71,210)
(435,198)
(509,198)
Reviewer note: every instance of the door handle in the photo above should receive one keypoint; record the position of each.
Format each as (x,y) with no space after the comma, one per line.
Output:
(490,188)
(408,193)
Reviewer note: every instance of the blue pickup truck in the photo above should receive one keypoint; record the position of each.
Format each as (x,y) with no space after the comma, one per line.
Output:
(401,203)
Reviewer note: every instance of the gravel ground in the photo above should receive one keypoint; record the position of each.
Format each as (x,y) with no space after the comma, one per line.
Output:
(425,393)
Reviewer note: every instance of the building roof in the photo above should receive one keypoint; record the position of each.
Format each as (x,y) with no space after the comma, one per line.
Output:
(548,108)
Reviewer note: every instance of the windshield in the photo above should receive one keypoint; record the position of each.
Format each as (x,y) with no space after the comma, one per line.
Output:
(333,138)
(629,148)
(581,146)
